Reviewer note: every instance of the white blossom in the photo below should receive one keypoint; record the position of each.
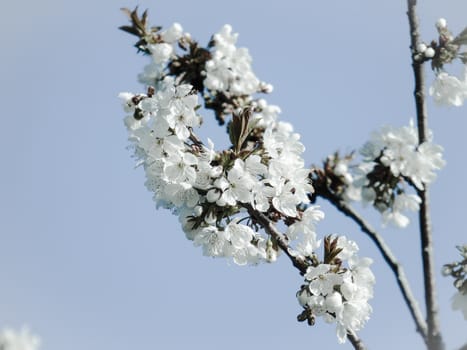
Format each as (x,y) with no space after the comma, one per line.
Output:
(398,150)
(266,115)
(449,90)
(161,52)
(173,33)
(429,52)
(18,340)
(441,23)
(212,240)
(229,71)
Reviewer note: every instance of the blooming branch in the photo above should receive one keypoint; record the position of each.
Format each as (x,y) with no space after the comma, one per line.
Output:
(230,202)
(298,260)
(389,257)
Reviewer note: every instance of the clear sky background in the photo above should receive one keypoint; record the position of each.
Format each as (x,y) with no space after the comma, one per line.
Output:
(85,259)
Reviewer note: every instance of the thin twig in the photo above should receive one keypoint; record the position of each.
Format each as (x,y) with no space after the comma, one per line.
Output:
(435,341)
(298,261)
(390,259)
(355,341)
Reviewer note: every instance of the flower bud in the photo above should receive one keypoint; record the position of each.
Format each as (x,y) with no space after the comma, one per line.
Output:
(213,195)
(173,33)
(197,211)
(429,52)
(210,219)
(421,47)
(216,171)
(303,297)
(334,302)
(441,23)
(221,202)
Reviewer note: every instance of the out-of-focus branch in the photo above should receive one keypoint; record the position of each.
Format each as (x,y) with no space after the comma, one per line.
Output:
(390,259)
(434,338)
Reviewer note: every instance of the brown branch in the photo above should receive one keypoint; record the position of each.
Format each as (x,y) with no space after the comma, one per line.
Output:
(390,259)
(298,261)
(434,338)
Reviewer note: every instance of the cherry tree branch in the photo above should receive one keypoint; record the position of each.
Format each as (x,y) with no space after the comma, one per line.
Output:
(356,341)
(298,261)
(390,259)
(434,338)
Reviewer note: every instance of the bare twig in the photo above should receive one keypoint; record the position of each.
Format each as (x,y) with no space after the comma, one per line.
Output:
(434,338)
(390,259)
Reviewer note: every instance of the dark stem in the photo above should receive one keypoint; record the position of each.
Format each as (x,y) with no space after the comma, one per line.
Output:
(298,261)
(434,338)
(390,259)
(356,341)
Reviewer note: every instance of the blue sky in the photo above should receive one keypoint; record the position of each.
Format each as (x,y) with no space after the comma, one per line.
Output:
(86,260)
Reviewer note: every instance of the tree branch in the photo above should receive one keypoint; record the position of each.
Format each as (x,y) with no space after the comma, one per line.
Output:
(298,261)
(390,259)
(435,341)
(356,341)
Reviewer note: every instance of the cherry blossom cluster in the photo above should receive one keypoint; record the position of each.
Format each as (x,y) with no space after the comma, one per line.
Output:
(338,292)
(446,89)
(392,162)
(392,159)
(229,202)
(458,270)
(18,340)
(162,49)
(209,190)
(221,72)
(229,70)
(449,90)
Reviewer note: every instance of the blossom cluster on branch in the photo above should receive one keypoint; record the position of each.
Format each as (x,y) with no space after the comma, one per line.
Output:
(254,200)
(232,202)
(458,270)
(392,162)
(335,292)
(446,89)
